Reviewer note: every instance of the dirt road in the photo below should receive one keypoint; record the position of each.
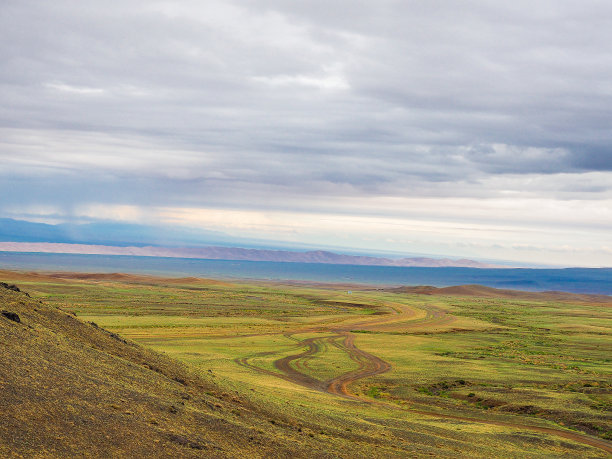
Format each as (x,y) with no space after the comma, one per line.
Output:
(294,367)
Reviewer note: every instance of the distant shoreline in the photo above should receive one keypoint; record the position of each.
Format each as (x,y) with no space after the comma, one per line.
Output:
(238,253)
(572,280)
(477,291)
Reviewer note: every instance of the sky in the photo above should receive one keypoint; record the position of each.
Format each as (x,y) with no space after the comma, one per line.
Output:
(465,128)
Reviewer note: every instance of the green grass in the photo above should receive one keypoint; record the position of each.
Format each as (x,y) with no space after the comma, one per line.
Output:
(536,367)
(530,362)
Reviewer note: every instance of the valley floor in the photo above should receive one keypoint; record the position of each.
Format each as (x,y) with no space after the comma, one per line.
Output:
(373,372)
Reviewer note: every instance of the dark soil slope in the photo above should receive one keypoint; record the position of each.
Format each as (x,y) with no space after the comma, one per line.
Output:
(71,389)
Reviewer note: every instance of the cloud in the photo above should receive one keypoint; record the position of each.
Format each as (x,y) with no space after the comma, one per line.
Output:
(306,106)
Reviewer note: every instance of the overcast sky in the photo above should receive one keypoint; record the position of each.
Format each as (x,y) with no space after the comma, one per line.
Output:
(463,128)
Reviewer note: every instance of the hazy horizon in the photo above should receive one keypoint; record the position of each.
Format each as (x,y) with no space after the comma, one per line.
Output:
(23,236)
(449,129)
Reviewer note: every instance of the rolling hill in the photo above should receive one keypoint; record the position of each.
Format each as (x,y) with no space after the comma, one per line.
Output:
(72,389)
(482,291)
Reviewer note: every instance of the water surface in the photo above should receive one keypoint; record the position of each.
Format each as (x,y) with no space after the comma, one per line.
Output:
(576,280)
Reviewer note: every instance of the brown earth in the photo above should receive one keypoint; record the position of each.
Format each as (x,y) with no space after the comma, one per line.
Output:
(113,277)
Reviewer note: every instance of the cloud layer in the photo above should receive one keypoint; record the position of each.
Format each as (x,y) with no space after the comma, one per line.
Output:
(410,111)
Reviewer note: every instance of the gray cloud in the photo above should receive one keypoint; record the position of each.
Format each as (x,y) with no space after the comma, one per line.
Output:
(276,104)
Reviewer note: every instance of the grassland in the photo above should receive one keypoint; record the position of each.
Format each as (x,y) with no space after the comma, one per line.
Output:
(376,372)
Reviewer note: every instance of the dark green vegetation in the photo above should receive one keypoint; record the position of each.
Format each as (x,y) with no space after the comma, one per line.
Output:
(276,370)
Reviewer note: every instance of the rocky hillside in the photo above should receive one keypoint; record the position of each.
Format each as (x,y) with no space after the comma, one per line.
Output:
(71,389)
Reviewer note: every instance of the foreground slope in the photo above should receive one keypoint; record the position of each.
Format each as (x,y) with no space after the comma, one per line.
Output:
(69,388)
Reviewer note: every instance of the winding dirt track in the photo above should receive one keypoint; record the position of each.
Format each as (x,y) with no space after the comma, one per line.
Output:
(296,376)
(369,365)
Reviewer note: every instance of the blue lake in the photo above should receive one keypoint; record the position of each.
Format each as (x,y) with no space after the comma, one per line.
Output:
(576,280)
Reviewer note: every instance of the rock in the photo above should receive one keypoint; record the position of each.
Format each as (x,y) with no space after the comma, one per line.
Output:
(12,287)
(183,441)
(11,316)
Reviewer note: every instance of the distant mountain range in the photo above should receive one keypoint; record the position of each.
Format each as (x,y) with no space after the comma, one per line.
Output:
(233,253)
(149,241)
